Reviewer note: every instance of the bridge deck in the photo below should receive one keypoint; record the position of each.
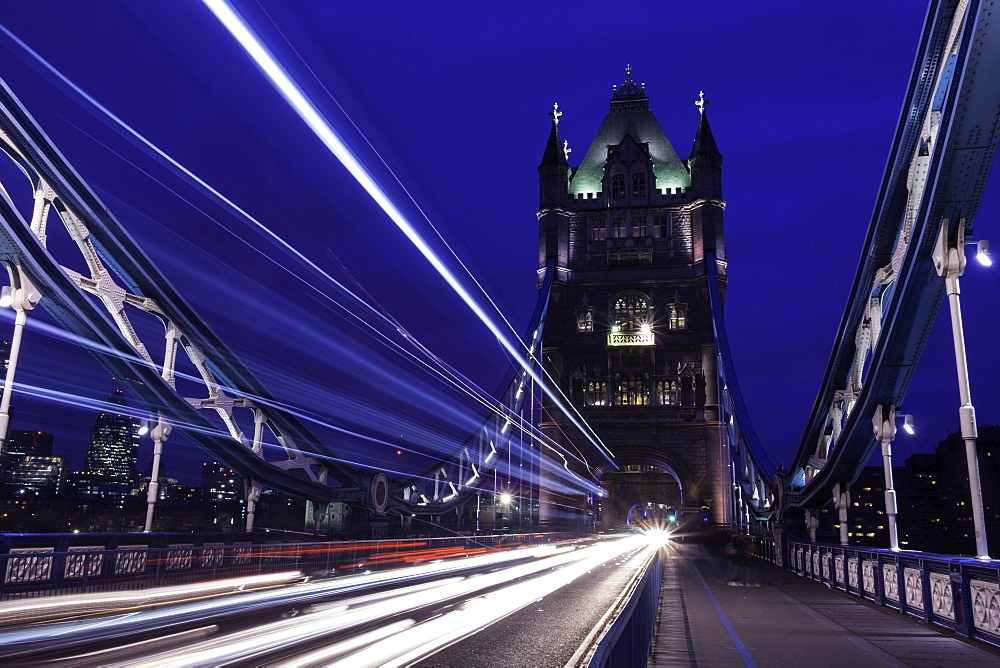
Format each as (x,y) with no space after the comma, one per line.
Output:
(788,621)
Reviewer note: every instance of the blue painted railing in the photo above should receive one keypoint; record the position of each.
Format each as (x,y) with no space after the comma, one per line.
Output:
(125,562)
(627,639)
(959,593)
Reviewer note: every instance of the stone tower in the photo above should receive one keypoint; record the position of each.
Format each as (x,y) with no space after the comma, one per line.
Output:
(629,335)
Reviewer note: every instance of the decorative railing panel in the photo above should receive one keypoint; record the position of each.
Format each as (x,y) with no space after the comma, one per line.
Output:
(959,593)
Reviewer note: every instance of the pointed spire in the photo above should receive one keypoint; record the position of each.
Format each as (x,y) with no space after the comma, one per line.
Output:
(555,149)
(704,141)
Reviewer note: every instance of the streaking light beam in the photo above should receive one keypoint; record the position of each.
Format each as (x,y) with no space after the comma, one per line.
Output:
(308,113)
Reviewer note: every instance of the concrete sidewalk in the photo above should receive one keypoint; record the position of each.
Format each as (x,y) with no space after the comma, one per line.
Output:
(788,621)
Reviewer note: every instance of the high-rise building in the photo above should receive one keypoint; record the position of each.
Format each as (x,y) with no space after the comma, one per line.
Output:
(631,233)
(38,475)
(219,483)
(114,445)
(21,444)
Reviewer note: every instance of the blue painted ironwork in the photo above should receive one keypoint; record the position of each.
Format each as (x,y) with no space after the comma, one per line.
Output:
(627,639)
(959,593)
(752,474)
(896,293)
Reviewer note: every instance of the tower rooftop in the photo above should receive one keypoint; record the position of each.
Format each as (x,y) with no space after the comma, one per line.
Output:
(630,115)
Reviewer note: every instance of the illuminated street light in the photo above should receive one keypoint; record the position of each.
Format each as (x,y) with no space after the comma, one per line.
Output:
(949,262)
(505,499)
(983,253)
(907,423)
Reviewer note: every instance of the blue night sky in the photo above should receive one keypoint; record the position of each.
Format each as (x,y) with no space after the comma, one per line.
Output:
(455,96)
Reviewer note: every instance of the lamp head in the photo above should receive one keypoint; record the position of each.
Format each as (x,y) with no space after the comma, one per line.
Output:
(908,424)
(983,253)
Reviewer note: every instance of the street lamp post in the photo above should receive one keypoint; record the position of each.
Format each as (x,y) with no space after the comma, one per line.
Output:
(22,296)
(949,261)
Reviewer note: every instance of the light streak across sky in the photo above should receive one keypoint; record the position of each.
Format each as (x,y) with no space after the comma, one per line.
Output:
(325,132)
(446,374)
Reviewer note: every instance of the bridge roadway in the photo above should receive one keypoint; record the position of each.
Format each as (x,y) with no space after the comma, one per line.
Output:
(703,621)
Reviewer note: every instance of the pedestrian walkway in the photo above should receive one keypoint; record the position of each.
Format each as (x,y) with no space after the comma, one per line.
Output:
(788,621)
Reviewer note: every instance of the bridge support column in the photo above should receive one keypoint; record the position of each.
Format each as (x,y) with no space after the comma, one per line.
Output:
(841,501)
(320,509)
(812,523)
(949,261)
(159,433)
(22,295)
(884,424)
(253,489)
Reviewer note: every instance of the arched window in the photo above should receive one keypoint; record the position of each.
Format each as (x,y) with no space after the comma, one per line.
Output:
(618,186)
(666,392)
(631,391)
(585,319)
(597,393)
(638,185)
(631,312)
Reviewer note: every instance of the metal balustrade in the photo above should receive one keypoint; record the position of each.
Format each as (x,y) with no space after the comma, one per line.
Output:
(626,640)
(46,571)
(959,593)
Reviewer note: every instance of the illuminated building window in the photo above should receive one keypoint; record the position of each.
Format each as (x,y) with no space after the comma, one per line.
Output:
(638,185)
(678,316)
(631,391)
(618,228)
(618,186)
(663,226)
(638,226)
(631,312)
(598,229)
(597,393)
(666,392)
(585,320)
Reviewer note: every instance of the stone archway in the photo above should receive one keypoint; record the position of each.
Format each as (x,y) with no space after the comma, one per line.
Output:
(643,491)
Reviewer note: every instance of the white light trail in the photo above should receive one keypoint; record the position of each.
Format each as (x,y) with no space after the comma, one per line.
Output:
(519,589)
(326,134)
(150,596)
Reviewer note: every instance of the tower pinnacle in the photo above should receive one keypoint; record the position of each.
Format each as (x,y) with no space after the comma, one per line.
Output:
(701,102)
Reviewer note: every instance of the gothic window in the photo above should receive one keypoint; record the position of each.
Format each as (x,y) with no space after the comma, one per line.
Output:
(577,391)
(598,229)
(618,228)
(638,226)
(631,312)
(678,316)
(597,393)
(663,226)
(631,390)
(666,392)
(618,186)
(638,185)
(585,319)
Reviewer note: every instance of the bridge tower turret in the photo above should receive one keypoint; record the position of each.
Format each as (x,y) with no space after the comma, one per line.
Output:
(628,334)
(553,198)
